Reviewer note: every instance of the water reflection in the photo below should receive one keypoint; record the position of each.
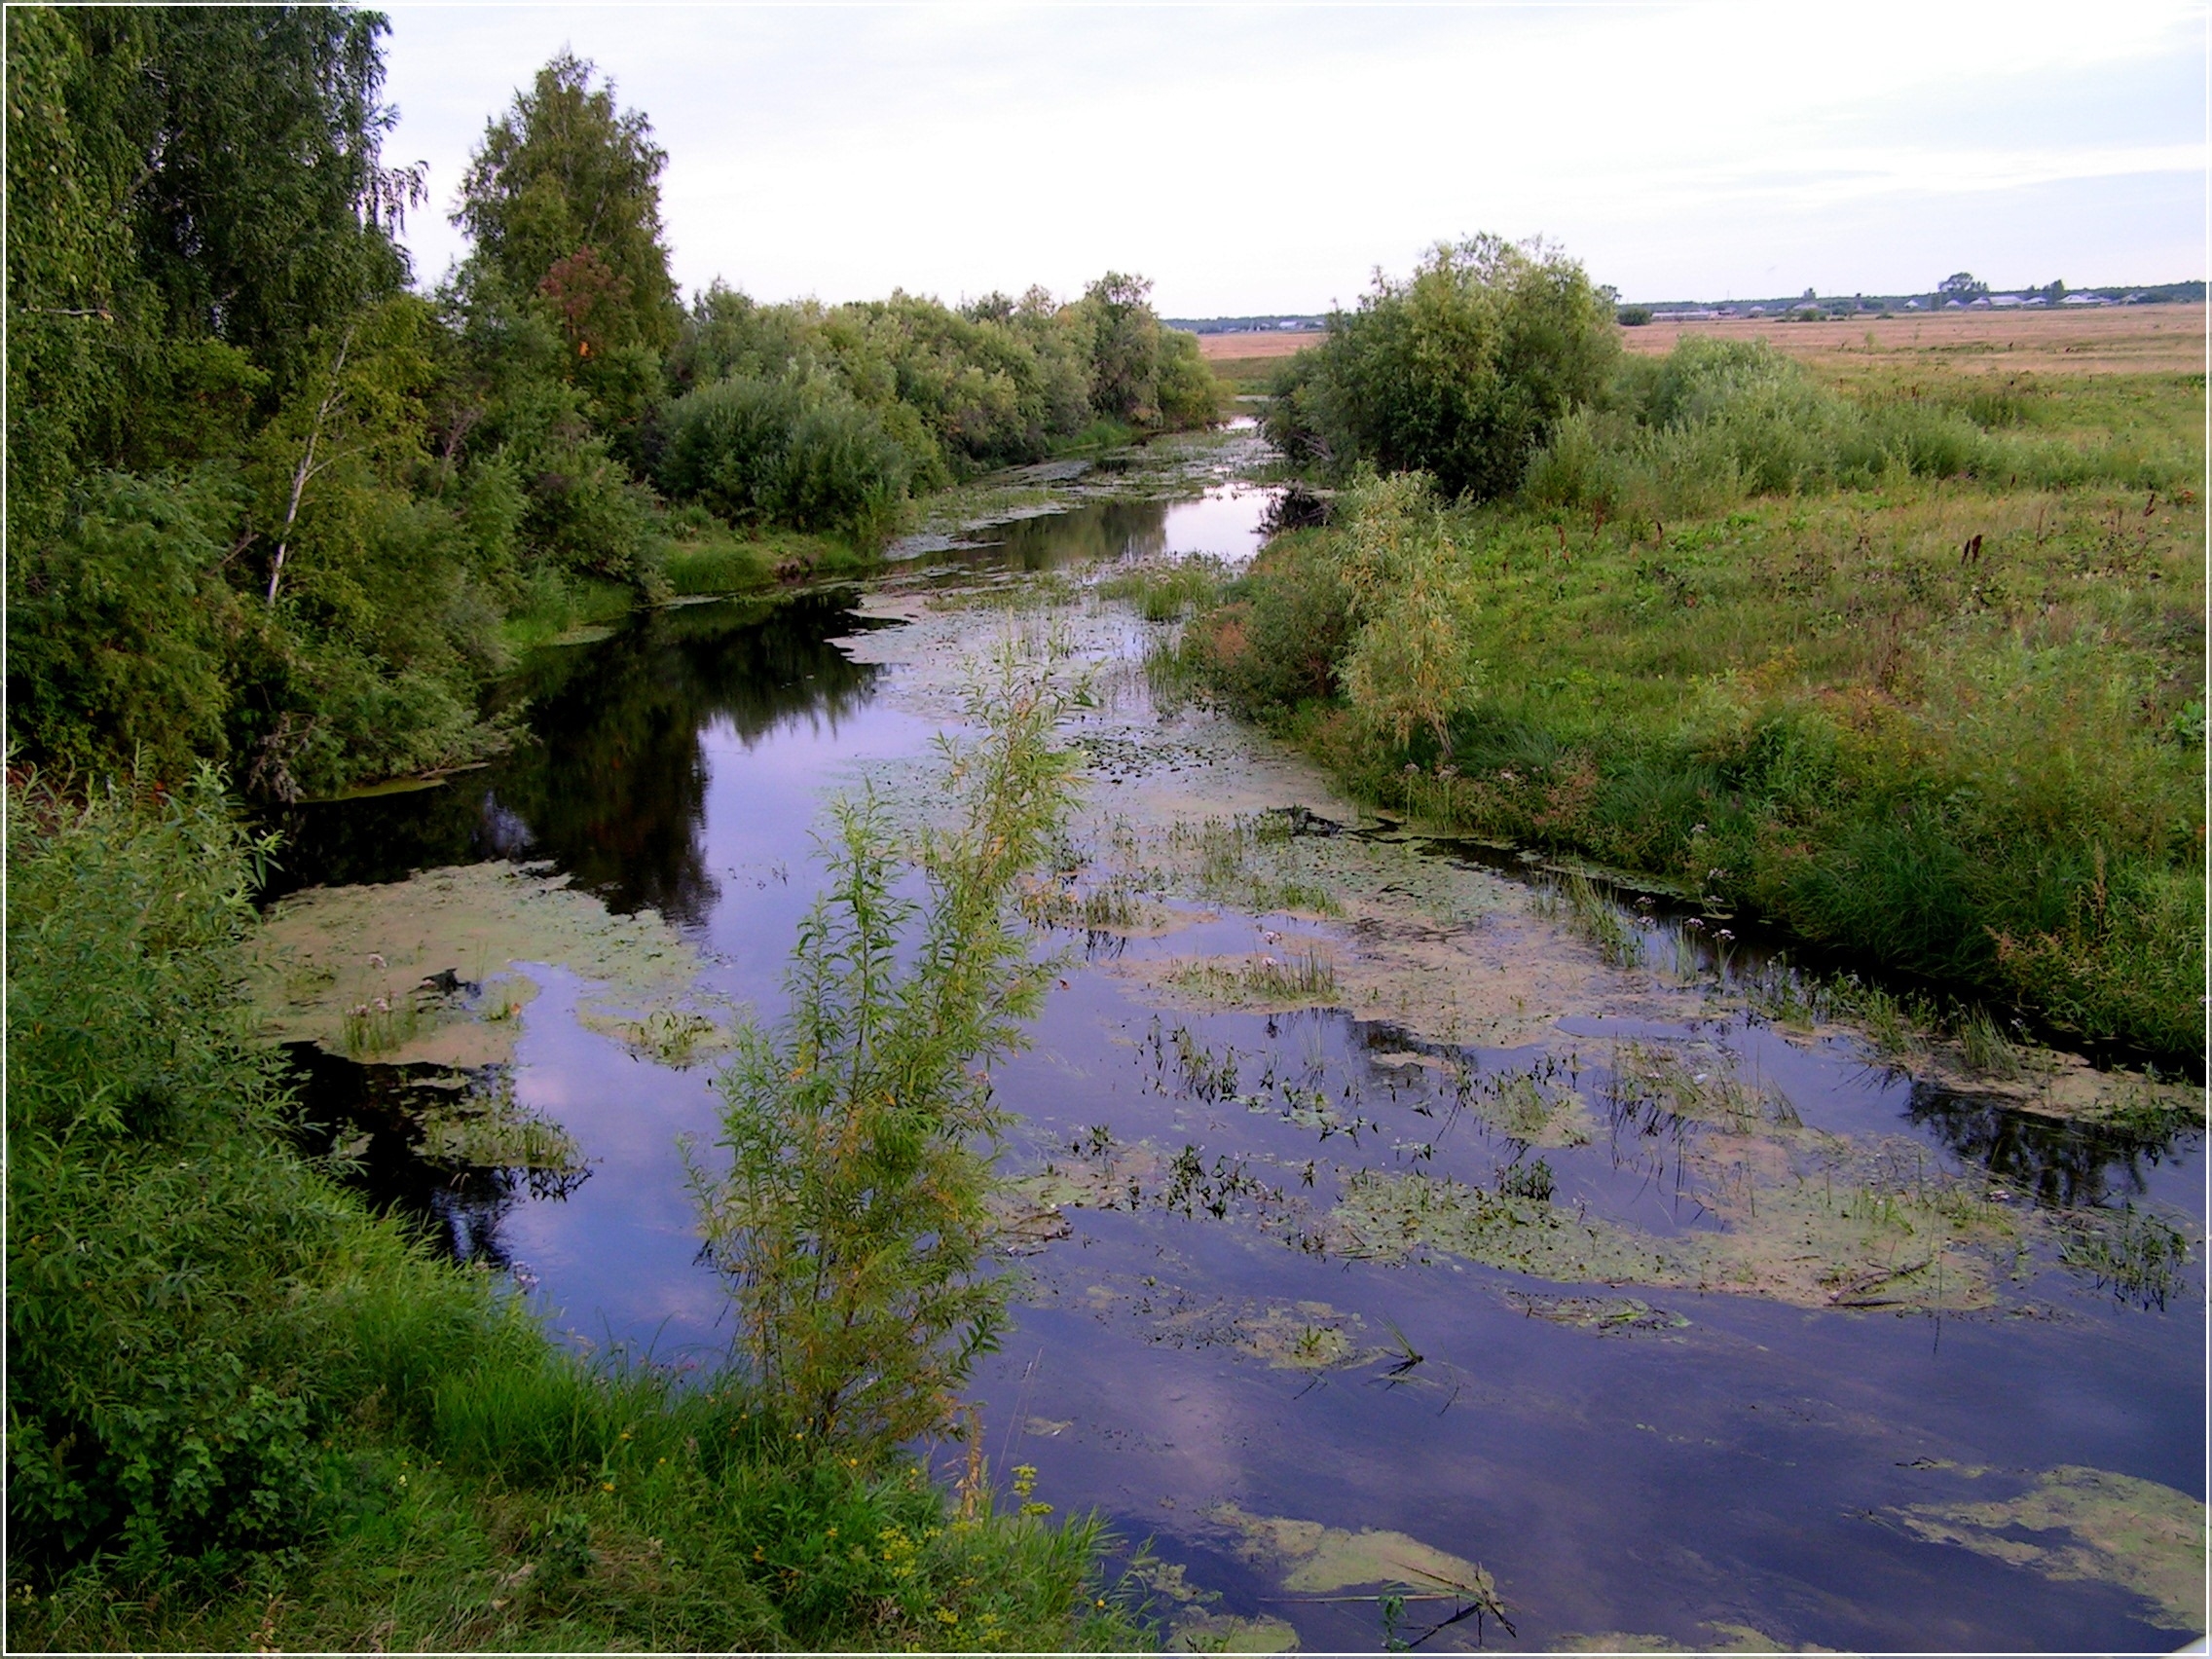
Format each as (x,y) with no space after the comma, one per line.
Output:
(2052,1161)
(677,765)
(611,781)
(1228,522)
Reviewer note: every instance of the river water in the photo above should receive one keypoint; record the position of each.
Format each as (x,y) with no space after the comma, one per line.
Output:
(1205,1362)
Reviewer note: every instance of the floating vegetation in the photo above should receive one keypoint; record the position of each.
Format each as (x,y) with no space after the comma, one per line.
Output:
(2077,1523)
(487,1128)
(1854,1229)
(1659,1083)
(2140,1256)
(1607,1315)
(1305,1335)
(405,971)
(1418,1589)
(1522,1104)
(674,1035)
(1728,1638)
(1305,979)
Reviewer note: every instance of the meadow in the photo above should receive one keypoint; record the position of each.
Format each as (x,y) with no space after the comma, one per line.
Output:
(1900,646)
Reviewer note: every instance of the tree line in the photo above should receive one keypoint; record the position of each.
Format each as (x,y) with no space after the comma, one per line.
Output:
(275,503)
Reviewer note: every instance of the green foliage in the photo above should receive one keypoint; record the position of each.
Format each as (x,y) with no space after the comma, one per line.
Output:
(119,628)
(267,507)
(562,200)
(242,1411)
(1822,711)
(1717,422)
(1460,371)
(190,1308)
(805,453)
(850,1220)
(1283,630)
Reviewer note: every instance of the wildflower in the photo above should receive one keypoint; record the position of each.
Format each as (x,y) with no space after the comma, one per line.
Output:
(375,961)
(606,1486)
(1693,922)
(1697,829)
(1724,932)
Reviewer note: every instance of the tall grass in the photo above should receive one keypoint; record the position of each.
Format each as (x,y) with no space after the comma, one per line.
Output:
(1717,423)
(1951,725)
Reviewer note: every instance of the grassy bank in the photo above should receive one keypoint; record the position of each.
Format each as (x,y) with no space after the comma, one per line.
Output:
(244,1412)
(1948,717)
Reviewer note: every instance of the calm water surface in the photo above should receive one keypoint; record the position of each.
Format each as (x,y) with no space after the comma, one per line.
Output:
(1725,1462)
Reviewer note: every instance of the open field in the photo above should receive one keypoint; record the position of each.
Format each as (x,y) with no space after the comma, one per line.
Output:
(1233,347)
(2129,339)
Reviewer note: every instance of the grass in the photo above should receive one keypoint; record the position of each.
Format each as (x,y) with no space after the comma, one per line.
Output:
(1165,593)
(1949,725)
(2139,1256)
(719,562)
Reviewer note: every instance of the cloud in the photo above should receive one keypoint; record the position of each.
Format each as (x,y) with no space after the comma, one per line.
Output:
(1254,158)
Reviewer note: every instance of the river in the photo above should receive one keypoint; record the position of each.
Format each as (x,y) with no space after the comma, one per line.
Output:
(1234,1335)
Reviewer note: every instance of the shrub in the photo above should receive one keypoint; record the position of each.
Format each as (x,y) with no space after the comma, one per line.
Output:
(850,1220)
(1460,371)
(804,454)
(191,1308)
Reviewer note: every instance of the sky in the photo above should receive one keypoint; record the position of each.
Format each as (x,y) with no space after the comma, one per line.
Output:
(1255,158)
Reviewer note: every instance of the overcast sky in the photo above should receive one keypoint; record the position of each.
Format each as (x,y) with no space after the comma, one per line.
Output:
(1257,159)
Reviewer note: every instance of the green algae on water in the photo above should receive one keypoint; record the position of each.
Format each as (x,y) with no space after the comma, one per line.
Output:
(2084,1524)
(418,971)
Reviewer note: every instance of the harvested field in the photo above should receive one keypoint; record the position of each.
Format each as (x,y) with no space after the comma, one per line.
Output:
(1230,348)
(2132,339)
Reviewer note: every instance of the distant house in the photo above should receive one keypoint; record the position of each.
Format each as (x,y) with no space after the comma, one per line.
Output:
(2085,300)
(2002,302)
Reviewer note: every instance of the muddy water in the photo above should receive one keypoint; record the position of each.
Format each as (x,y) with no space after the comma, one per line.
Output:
(1298,1306)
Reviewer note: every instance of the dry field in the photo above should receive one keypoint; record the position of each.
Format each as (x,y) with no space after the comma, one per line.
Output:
(1229,348)
(2124,340)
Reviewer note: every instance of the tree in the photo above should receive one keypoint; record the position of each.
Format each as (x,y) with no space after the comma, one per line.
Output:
(1961,285)
(1460,371)
(195,192)
(562,200)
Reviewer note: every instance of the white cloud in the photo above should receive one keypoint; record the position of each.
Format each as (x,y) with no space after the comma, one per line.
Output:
(1255,158)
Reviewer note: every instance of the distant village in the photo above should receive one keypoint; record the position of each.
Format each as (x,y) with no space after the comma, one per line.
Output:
(1960,291)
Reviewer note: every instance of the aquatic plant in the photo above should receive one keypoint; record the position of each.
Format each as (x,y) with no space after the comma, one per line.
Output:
(2140,1256)
(850,1220)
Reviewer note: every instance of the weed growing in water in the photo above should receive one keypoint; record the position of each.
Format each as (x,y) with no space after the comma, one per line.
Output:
(851,1221)
(2139,1255)
(1165,593)
(1603,923)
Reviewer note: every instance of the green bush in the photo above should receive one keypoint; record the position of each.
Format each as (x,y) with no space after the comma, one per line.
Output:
(850,1220)
(1283,629)
(192,1309)
(1460,371)
(804,454)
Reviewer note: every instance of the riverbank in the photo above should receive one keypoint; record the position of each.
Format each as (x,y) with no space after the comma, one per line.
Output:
(1915,672)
